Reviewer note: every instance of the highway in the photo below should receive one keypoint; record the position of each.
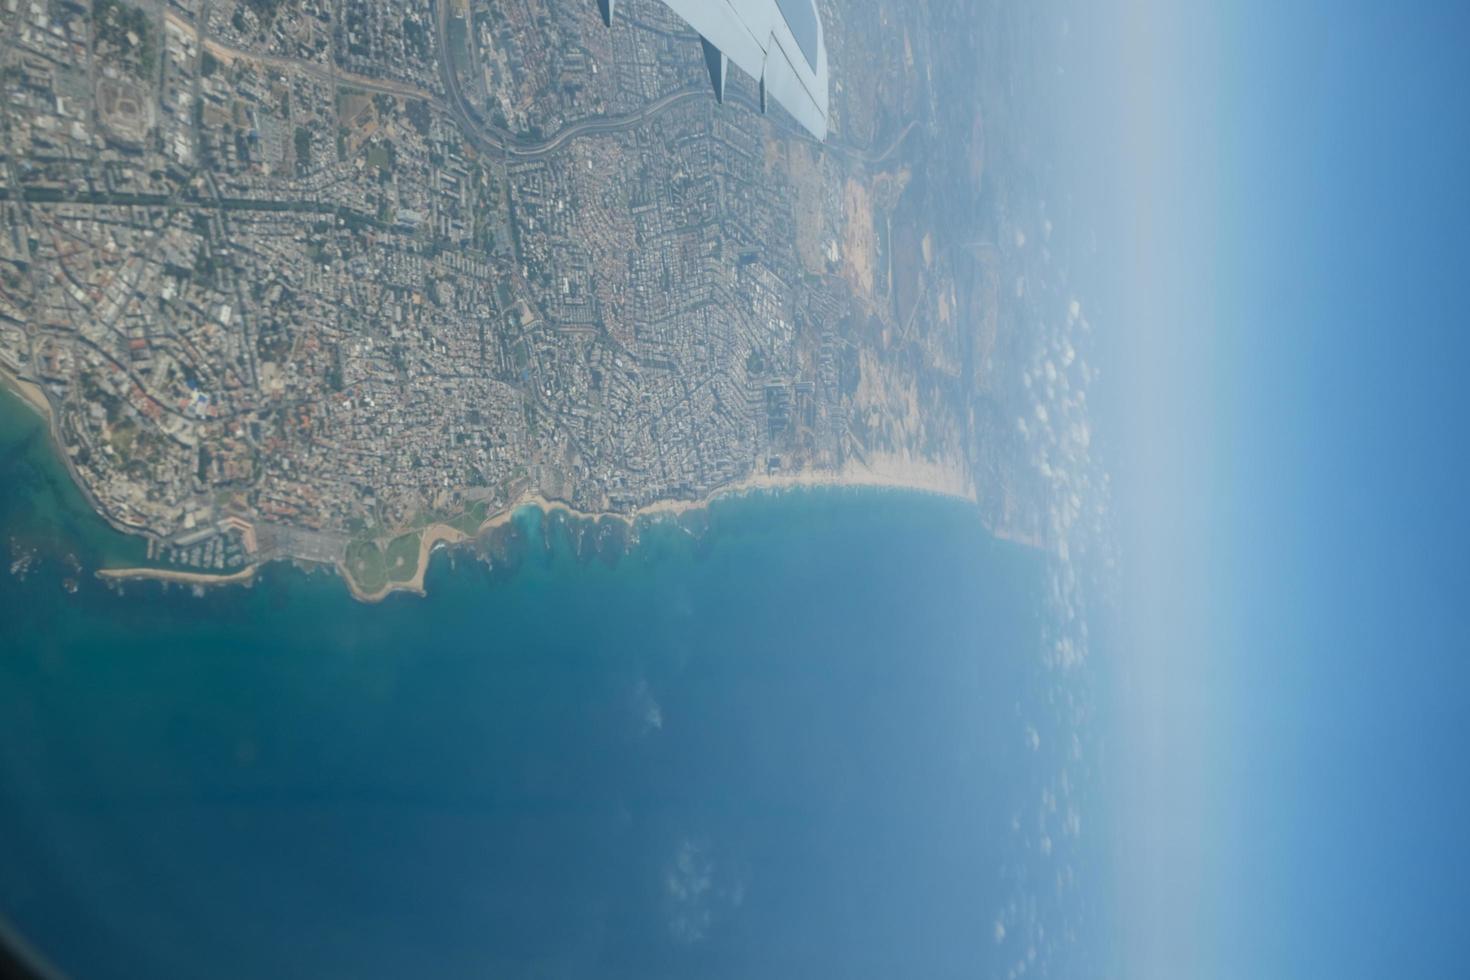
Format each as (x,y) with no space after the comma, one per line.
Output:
(487,138)
(493,140)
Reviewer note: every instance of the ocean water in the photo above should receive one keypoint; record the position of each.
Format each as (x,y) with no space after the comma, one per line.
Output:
(791,745)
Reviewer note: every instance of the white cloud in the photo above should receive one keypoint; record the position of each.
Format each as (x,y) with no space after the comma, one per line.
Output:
(650,712)
(698,892)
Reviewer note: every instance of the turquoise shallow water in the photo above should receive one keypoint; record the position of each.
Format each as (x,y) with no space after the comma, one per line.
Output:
(791,746)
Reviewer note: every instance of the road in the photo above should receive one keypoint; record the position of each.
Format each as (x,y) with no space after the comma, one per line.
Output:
(493,140)
(486,137)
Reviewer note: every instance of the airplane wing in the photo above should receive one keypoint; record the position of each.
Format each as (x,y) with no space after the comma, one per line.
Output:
(777,42)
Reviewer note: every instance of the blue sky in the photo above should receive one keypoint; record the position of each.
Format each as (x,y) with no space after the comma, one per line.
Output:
(1287,188)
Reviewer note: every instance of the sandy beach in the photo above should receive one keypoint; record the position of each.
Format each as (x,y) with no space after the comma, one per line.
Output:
(891,471)
(898,474)
(931,480)
(29,391)
(895,473)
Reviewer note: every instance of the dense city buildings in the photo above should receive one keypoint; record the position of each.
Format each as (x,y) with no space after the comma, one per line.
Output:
(303,278)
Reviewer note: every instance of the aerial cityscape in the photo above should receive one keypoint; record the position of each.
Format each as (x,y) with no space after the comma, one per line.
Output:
(339,281)
(302,285)
(725,489)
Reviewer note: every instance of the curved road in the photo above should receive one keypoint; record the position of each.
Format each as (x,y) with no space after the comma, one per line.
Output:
(491,139)
(494,140)
(601,124)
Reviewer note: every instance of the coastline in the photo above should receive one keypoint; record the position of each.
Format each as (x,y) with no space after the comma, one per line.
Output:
(430,538)
(33,395)
(756,484)
(896,472)
(437,534)
(849,478)
(28,391)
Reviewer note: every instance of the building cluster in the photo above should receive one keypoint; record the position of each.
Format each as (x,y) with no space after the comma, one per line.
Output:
(309,273)
(297,277)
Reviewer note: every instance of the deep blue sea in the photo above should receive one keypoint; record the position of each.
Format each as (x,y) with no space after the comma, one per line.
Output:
(794,745)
